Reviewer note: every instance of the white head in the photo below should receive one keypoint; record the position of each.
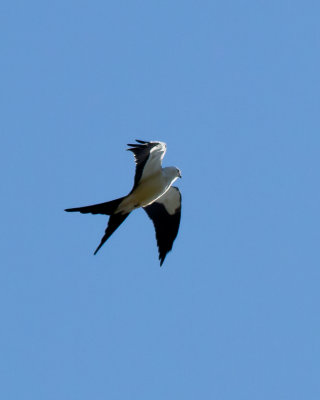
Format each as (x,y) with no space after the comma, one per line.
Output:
(172,173)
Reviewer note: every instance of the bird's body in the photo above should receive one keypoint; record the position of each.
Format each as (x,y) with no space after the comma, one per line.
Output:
(148,190)
(153,191)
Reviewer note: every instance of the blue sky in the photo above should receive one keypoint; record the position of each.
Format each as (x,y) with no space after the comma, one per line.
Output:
(232,87)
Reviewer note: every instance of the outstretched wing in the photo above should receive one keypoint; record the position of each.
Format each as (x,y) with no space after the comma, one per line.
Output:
(148,157)
(165,214)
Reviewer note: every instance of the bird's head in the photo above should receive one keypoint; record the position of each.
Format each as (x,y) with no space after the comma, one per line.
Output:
(172,173)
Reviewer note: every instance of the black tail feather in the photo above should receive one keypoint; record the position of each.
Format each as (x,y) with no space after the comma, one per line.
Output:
(114,222)
(106,208)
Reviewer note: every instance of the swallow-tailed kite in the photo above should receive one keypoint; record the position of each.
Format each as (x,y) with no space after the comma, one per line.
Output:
(153,191)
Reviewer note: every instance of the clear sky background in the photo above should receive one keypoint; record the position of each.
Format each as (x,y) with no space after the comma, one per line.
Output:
(233,88)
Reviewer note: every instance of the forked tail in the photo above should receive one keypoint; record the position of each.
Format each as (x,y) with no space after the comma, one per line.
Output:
(114,222)
(107,208)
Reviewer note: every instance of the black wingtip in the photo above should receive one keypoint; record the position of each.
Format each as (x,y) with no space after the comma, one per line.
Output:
(135,146)
(141,141)
(142,144)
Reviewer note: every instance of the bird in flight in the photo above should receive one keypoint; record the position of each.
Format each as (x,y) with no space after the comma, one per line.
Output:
(152,190)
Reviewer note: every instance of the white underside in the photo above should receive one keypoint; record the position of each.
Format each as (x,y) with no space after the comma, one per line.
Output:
(148,191)
(171,200)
